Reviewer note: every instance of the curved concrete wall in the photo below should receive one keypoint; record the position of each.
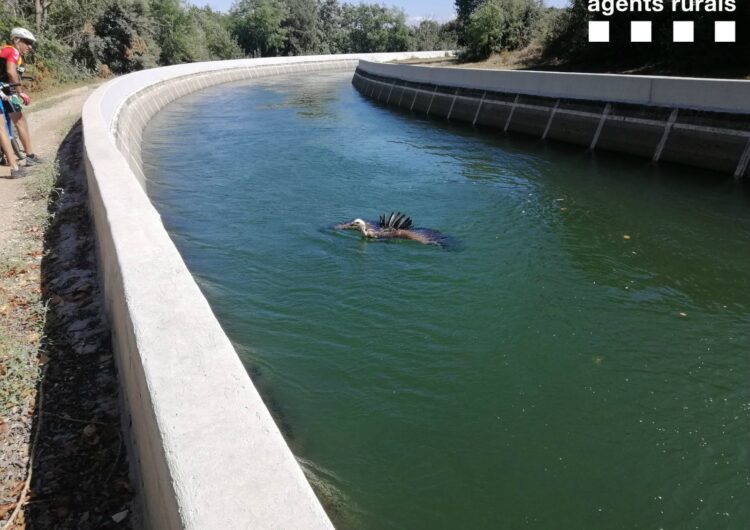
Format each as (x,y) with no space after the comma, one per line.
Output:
(204,450)
(699,122)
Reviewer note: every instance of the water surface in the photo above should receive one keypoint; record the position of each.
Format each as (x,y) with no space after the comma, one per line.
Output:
(579,359)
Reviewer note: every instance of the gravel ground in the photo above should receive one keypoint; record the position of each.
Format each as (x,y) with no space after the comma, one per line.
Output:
(62,456)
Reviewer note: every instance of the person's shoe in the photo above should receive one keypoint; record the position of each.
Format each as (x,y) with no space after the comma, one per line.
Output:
(32,160)
(18,173)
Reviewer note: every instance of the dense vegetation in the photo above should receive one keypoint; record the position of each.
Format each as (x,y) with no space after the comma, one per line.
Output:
(561,37)
(568,41)
(81,38)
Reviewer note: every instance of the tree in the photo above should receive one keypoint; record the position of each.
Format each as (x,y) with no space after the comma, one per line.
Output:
(212,31)
(126,35)
(500,25)
(375,28)
(465,8)
(175,32)
(256,24)
(568,42)
(301,27)
(333,37)
(430,35)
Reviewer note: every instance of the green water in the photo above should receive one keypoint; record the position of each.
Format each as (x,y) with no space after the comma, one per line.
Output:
(542,372)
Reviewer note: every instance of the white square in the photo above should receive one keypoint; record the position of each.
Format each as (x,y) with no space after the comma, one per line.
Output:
(683,31)
(640,31)
(598,31)
(724,31)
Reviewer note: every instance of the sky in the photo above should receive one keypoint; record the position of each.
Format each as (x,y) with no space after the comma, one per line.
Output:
(441,10)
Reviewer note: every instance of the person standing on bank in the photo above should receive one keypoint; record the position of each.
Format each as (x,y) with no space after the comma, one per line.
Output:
(11,70)
(16,172)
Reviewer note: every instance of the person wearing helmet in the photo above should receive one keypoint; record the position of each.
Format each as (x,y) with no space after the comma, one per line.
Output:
(11,70)
(10,156)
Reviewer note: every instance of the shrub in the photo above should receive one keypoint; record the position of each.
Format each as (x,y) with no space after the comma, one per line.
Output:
(500,25)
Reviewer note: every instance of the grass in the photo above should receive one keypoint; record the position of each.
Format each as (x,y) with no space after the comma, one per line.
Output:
(23,312)
(49,97)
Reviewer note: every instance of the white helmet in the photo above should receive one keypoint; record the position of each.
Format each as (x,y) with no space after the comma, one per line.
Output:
(22,33)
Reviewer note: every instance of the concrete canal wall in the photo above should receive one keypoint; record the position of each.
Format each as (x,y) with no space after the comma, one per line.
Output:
(698,122)
(205,453)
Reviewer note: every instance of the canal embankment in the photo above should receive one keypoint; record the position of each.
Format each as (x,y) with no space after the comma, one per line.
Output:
(203,448)
(697,122)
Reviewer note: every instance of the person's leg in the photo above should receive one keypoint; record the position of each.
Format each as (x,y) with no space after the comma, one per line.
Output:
(23,131)
(10,156)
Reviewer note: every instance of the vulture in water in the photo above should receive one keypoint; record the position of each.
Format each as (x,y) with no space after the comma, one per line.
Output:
(395,225)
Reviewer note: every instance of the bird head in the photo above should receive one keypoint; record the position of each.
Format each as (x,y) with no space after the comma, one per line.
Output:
(359,224)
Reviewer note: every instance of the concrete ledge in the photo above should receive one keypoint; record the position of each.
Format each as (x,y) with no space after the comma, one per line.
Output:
(698,122)
(205,452)
(721,95)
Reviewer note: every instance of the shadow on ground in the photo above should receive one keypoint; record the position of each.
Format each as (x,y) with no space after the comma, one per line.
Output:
(80,470)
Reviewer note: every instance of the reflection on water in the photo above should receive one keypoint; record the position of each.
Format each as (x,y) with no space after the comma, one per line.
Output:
(581,363)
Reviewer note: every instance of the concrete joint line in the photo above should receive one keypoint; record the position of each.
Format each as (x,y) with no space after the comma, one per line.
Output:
(452,104)
(605,113)
(584,114)
(744,160)
(510,116)
(387,101)
(413,101)
(479,108)
(551,117)
(431,100)
(714,130)
(667,129)
(403,89)
(639,121)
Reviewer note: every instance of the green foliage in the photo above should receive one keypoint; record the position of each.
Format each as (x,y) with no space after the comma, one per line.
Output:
(257,26)
(464,10)
(213,35)
(51,62)
(301,26)
(333,37)
(126,34)
(431,35)
(568,42)
(375,28)
(80,38)
(175,32)
(500,25)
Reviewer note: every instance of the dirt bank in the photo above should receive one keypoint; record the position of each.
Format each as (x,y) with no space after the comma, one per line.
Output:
(62,455)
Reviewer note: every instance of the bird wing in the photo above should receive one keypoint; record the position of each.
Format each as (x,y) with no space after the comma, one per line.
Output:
(395,221)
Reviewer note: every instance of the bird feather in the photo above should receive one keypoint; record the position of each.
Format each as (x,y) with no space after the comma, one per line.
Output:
(395,221)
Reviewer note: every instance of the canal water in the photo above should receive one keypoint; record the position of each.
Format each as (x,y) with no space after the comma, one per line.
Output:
(578,357)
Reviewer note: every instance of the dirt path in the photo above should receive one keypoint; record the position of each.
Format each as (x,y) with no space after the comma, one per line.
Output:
(62,457)
(48,126)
